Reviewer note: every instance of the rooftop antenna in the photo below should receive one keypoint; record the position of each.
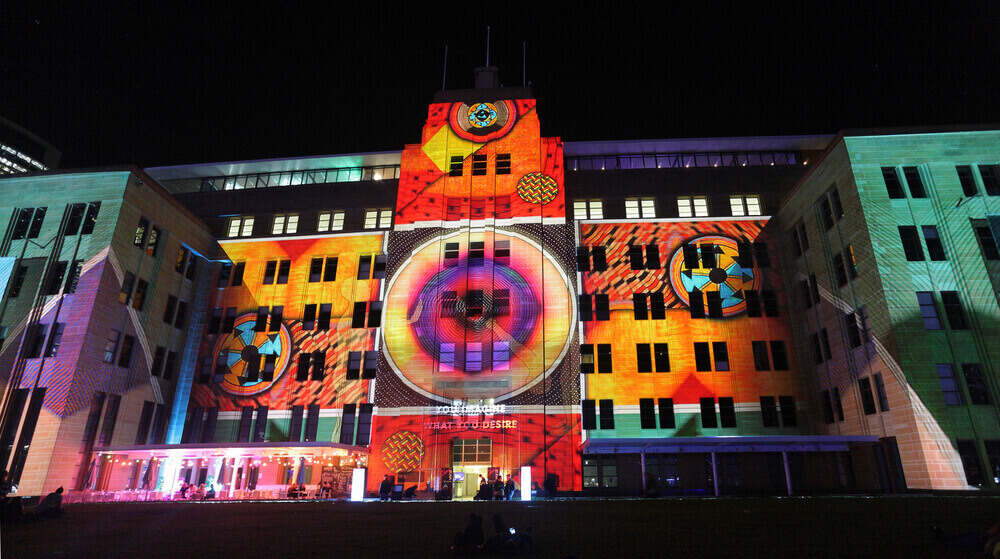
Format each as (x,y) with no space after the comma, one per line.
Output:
(487,45)
(444,74)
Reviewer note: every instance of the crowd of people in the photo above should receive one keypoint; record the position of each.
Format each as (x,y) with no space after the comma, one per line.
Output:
(496,491)
(190,492)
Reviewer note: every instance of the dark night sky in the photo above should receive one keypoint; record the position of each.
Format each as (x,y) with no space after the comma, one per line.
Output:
(124,84)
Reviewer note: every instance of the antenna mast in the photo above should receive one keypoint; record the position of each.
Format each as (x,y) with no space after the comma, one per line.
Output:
(444,74)
(487,45)
(524,64)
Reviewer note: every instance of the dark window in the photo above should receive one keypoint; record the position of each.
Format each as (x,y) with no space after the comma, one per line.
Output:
(838,268)
(455,170)
(853,332)
(139,298)
(503,164)
(347,424)
(588,414)
(769,411)
(315,270)
(691,260)
(727,413)
(90,219)
(318,365)
(125,295)
(702,356)
(364,266)
(647,414)
(658,309)
(323,322)
(277,313)
(374,314)
(582,259)
(953,310)
(753,303)
(607,414)
(770,303)
(18,281)
(225,273)
(928,311)
(140,232)
(260,325)
(125,357)
(358,316)
(967,180)
(478,164)
(697,303)
(364,424)
(666,410)
(302,372)
(892,184)
(477,254)
(604,358)
(35,340)
(721,354)
(974,381)
(145,420)
(987,243)
(913,181)
(708,418)
(652,257)
(787,406)
(661,355)
(826,213)
(825,341)
(635,257)
(55,339)
(75,218)
(760,358)
(970,461)
(911,243)
(600,258)
(837,405)
(269,269)
(230,321)
(283,269)
(267,372)
(639,307)
(171,365)
(934,247)
(501,253)
(56,275)
(838,208)
(295,424)
(989,173)
(779,355)
(181,314)
(807,300)
(827,407)
(354,365)
(867,398)
(814,287)
(192,267)
(850,264)
(602,306)
(371,365)
(644,359)
(110,418)
(708,259)
(157,368)
(883,398)
(215,322)
(714,299)
(238,269)
(309,317)
(949,384)
(111,346)
(803,237)
(330,272)
(155,236)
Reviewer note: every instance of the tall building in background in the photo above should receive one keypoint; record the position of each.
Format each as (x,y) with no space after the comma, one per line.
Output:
(706,316)
(23,152)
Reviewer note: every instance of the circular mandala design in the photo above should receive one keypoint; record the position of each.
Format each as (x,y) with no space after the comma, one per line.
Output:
(537,188)
(483,120)
(402,452)
(727,277)
(243,345)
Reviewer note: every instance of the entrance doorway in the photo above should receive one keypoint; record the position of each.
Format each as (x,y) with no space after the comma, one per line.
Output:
(467,489)
(471,458)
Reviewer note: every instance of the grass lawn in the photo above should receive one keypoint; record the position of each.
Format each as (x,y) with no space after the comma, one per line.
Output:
(728,527)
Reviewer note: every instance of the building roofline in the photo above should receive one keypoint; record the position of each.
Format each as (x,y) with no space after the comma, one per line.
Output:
(804,142)
(276,164)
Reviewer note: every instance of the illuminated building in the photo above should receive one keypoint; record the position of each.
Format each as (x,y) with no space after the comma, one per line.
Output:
(622,317)
(24,152)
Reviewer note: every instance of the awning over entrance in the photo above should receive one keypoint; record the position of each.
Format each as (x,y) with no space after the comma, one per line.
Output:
(724,444)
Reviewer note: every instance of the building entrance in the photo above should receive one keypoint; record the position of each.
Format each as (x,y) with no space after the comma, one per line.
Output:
(471,458)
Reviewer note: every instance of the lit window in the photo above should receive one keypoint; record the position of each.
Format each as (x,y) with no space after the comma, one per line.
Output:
(692,206)
(588,209)
(744,205)
(331,221)
(378,218)
(285,224)
(240,227)
(640,208)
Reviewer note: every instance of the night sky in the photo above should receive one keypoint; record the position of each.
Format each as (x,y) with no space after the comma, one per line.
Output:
(129,84)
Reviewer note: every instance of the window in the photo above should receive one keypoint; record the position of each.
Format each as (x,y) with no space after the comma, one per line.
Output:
(666,409)
(90,218)
(477,254)
(949,384)
(987,244)
(760,358)
(727,413)
(966,179)
(934,247)
(183,253)
(607,414)
(128,282)
(692,206)
(588,413)
(928,311)
(800,241)
(125,357)
(111,346)
(970,461)
(28,223)
(883,398)
(379,218)
(821,346)
(826,212)
(18,281)
(850,264)
(892,184)
(140,294)
(56,275)
(651,261)
(839,269)
(661,357)
(354,359)
(953,310)
(371,309)
(916,185)
(55,339)
(330,221)
(770,300)
(311,366)
(323,269)
(181,314)
(240,227)
(708,255)
(769,411)
(371,266)
(911,243)
(455,169)
(990,175)
(867,399)
(714,300)
(827,406)
(702,356)
(779,355)
(697,304)
(155,235)
(647,414)
(837,405)
(721,354)
(603,358)
(478,164)
(140,232)
(644,358)
(285,224)
(503,164)
(588,209)
(852,331)
(644,208)
(708,418)
(158,356)
(276,271)
(786,405)
(978,391)
(745,205)
(598,310)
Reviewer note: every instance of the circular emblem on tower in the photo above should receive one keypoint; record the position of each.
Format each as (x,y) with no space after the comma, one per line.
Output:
(537,188)
(252,361)
(713,266)
(483,120)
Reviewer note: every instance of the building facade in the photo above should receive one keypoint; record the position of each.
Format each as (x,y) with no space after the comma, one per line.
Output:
(714,316)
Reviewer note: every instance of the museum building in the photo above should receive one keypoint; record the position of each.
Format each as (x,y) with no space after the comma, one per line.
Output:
(760,315)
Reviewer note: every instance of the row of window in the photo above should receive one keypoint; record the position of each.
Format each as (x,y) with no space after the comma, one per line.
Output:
(687,206)
(79,219)
(989,177)
(328,221)
(647,306)
(971,462)
(321,269)
(681,160)
(36,336)
(600,414)
(596,358)
(355,426)
(953,310)
(703,256)
(479,164)
(294,178)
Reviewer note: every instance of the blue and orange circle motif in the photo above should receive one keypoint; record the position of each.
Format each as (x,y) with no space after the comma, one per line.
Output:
(482,115)
(238,349)
(483,120)
(727,277)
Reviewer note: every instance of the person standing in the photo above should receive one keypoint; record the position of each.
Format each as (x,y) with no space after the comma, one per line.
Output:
(385,488)
(509,488)
(51,505)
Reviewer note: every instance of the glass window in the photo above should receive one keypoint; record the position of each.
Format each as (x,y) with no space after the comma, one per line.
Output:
(928,310)
(953,310)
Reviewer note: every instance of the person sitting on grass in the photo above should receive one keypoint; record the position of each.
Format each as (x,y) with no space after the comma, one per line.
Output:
(51,506)
(469,541)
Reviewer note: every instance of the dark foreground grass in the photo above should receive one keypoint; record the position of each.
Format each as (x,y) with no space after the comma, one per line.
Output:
(728,527)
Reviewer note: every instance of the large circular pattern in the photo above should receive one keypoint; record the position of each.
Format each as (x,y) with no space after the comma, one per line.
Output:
(402,452)
(471,325)
(537,188)
(243,344)
(727,277)
(483,120)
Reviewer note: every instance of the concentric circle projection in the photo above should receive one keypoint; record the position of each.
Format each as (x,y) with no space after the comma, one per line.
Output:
(537,188)
(402,452)
(482,120)
(486,323)
(727,276)
(237,349)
